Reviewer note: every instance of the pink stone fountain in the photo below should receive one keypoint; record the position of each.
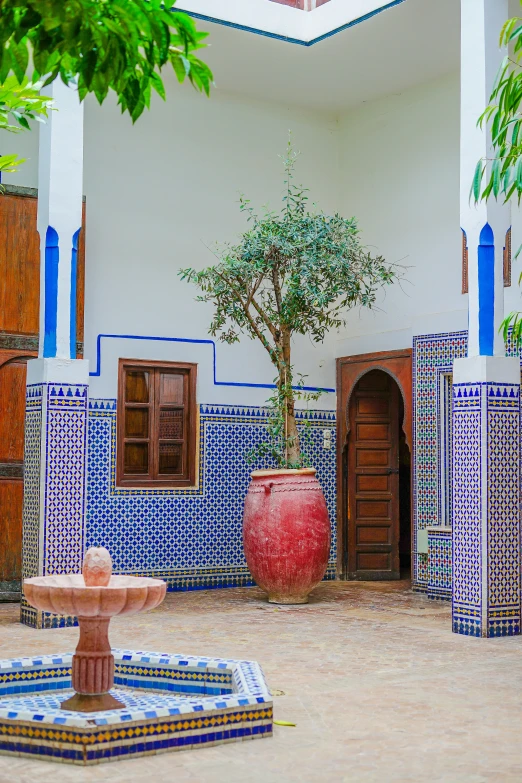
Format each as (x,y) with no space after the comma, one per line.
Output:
(94,597)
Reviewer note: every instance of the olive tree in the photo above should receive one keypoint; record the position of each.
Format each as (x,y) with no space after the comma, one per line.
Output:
(297,271)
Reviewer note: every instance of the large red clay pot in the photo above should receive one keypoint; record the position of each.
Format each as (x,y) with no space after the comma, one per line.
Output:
(286,533)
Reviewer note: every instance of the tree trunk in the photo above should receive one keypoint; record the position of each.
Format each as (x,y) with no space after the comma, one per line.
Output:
(293,450)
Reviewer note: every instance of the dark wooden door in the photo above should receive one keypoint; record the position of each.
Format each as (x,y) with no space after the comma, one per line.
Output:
(373,479)
(19,324)
(12,408)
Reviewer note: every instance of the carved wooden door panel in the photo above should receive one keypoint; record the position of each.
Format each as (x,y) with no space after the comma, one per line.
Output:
(373,479)
(12,407)
(19,325)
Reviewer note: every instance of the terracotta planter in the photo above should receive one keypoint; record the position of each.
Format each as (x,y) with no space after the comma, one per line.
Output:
(286,533)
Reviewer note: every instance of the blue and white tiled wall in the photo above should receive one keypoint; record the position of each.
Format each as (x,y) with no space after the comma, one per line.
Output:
(191,537)
(433,357)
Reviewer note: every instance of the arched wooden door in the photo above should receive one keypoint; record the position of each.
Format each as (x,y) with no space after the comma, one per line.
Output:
(374,430)
(373,479)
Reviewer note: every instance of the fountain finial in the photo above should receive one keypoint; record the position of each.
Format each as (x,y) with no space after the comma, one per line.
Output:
(97,567)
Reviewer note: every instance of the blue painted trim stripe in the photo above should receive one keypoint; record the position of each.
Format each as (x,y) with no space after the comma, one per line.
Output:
(486,284)
(74,282)
(52,257)
(297,41)
(97,372)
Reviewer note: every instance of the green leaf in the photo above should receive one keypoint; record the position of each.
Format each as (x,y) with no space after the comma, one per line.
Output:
(518,174)
(19,59)
(10,163)
(119,46)
(495,177)
(477,180)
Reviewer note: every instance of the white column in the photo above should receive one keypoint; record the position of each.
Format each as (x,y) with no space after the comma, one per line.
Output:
(60,188)
(486,385)
(57,383)
(485,224)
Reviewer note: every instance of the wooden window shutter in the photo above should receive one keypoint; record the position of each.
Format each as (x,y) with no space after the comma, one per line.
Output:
(156,424)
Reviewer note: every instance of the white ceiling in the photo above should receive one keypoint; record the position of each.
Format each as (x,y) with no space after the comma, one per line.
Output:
(413,42)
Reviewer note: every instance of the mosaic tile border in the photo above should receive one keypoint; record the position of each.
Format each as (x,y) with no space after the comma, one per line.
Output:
(440,563)
(225,701)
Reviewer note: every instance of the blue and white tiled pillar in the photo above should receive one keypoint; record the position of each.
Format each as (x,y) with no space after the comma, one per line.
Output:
(486,384)
(57,382)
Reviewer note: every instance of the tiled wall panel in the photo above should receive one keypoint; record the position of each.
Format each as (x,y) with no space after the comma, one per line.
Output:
(190,537)
(439,563)
(433,357)
(54,485)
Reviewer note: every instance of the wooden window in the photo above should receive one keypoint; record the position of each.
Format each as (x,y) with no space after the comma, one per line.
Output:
(156,424)
(507,259)
(464,262)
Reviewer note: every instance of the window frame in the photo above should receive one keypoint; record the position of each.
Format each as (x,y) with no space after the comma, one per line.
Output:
(154,368)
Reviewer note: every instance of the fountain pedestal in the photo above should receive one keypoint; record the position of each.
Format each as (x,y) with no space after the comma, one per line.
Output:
(93,668)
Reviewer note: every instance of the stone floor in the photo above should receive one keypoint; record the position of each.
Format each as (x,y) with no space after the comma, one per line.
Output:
(377,685)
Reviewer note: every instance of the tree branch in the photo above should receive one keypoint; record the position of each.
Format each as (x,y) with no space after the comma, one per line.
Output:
(277,289)
(259,334)
(254,289)
(251,301)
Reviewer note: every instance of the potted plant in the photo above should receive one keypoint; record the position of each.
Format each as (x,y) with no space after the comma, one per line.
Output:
(293,272)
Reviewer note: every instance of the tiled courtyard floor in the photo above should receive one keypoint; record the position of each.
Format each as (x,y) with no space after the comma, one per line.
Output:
(377,685)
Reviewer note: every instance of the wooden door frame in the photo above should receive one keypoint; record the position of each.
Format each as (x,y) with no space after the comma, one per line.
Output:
(349,370)
(7,357)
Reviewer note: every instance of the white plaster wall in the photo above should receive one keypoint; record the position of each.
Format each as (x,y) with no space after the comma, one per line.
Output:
(24,144)
(159,193)
(400,177)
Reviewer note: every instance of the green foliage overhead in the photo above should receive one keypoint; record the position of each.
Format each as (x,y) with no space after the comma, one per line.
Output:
(294,272)
(118,45)
(502,176)
(20,102)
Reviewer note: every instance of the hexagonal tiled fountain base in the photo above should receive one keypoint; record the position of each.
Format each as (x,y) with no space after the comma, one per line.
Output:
(172,703)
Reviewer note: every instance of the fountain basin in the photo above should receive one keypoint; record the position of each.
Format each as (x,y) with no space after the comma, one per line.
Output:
(171,702)
(69,595)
